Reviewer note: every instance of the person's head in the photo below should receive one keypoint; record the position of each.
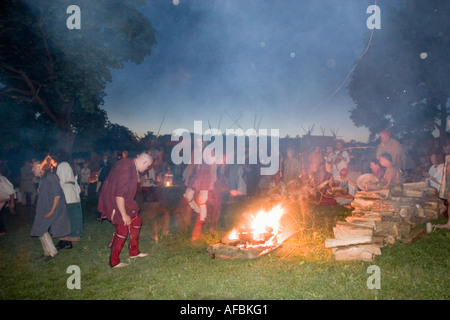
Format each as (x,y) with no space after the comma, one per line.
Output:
(45,167)
(317,149)
(437,159)
(385,160)
(290,152)
(374,165)
(384,136)
(339,144)
(343,174)
(143,161)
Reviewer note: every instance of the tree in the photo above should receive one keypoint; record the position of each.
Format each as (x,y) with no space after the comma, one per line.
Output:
(403,81)
(50,68)
(116,137)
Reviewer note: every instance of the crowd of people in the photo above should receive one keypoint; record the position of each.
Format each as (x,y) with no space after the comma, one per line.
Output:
(333,174)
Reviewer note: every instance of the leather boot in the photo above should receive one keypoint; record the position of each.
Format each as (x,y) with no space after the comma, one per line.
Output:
(64,245)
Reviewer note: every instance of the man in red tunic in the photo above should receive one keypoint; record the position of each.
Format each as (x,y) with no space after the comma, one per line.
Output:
(117,204)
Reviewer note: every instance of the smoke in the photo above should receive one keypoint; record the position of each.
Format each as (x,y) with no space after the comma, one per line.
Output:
(275,58)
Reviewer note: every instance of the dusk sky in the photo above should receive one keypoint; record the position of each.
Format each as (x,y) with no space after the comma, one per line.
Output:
(270,64)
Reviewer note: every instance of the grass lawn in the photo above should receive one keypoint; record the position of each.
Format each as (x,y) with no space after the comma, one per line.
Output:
(301,269)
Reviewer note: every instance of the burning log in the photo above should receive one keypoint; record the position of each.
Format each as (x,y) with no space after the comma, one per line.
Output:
(260,235)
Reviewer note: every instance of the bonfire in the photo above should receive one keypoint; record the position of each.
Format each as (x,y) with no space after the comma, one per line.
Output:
(259,233)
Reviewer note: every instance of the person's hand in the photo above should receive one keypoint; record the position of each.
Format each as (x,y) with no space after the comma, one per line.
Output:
(48,215)
(126,220)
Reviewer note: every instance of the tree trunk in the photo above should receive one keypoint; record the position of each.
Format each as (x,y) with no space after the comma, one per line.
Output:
(65,141)
(66,136)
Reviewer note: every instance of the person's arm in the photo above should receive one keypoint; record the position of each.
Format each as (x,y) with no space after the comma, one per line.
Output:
(120,201)
(54,205)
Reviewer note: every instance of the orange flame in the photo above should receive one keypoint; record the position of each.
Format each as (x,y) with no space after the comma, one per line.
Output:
(261,228)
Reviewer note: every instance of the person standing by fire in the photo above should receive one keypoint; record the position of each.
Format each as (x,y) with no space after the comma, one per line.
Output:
(52,217)
(199,179)
(117,204)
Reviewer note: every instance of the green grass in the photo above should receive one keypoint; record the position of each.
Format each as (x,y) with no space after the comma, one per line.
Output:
(301,269)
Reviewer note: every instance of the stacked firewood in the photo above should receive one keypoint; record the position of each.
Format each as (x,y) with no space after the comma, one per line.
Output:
(384,217)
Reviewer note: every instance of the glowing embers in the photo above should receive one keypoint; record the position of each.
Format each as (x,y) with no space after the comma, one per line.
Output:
(260,229)
(258,234)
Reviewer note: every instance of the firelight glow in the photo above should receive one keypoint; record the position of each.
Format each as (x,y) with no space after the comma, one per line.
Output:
(262,223)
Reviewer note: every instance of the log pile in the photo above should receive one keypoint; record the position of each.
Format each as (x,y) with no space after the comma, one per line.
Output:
(384,217)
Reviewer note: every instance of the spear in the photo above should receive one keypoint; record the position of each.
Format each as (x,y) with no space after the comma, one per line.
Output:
(220,120)
(161,123)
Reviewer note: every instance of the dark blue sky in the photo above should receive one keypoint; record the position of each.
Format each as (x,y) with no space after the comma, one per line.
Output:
(276,61)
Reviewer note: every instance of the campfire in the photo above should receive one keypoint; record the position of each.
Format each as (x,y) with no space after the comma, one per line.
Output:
(258,234)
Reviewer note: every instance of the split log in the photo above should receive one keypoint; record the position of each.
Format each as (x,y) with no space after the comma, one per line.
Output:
(416,234)
(413,193)
(431,205)
(392,218)
(396,190)
(344,231)
(371,247)
(332,243)
(405,229)
(406,211)
(354,225)
(358,252)
(381,217)
(363,204)
(420,210)
(389,239)
(387,228)
(235,253)
(378,194)
(416,185)
(360,221)
(431,214)
(364,218)
(378,240)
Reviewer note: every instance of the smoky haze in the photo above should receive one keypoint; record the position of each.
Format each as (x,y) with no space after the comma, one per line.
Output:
(272,64)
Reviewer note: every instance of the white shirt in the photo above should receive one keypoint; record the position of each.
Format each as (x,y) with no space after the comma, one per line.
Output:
(68,183)
(85,172)
(6,189)
(146,177)
(436,172)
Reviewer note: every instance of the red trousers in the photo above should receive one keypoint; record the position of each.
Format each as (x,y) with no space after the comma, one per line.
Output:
(120,236)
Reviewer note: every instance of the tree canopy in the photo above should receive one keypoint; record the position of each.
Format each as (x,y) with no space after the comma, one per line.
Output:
(60,74)
(403,81)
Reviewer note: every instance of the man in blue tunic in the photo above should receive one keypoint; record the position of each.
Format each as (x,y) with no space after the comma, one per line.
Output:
(52,217)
